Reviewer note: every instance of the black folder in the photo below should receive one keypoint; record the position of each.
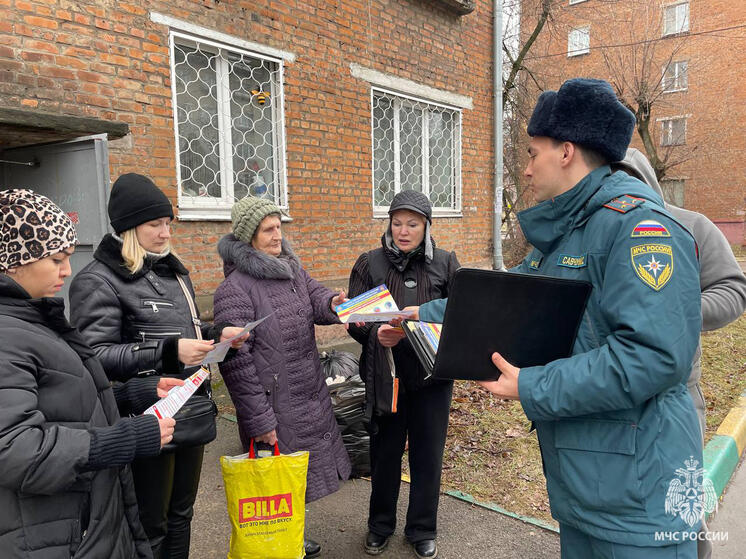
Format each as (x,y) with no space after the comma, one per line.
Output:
(529,319)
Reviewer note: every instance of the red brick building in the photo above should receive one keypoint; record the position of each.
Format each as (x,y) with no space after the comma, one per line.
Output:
(328,107)
(683,56)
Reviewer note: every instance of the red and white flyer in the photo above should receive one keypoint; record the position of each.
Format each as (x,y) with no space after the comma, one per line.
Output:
(177,396)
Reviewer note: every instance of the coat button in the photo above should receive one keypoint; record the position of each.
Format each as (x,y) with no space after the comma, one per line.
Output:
(300,312)
(327,436)
(309,355)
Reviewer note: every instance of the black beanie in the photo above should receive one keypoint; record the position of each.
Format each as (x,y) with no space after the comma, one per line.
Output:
(134,200)
(414,201)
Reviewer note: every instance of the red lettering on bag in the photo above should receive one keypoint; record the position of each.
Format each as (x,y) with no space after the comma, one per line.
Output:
(265,508)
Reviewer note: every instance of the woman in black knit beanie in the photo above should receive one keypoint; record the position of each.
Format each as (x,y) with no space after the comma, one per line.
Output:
(67,490)
(135,305)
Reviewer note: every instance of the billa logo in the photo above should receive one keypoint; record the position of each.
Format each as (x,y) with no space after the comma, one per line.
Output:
(265,508)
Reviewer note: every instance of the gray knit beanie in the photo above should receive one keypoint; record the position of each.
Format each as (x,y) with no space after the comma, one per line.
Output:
(248,213)
(32,227)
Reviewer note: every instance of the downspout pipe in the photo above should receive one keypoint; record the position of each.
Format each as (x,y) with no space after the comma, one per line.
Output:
(497,88)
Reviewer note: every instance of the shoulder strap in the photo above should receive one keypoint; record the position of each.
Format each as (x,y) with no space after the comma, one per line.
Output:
(192,308)
(624,203)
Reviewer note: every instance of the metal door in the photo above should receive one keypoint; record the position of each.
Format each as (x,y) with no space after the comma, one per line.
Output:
(75,175)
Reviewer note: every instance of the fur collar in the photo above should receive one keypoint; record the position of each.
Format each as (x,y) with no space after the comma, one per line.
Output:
(241,256)
(109,252)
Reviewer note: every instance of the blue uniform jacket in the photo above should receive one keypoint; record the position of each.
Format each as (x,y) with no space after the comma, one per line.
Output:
(615,420)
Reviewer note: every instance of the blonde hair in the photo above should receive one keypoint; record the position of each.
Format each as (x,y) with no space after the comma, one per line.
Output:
(132,252)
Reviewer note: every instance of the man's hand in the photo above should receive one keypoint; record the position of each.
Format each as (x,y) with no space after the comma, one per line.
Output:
(268,438)
(399,319)
(192,352)
(165,384)
(389,336)
(167,429)
(506,387)
(231,331)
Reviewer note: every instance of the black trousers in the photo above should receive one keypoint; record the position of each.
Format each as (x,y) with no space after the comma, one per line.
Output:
(166,487)
(423,417)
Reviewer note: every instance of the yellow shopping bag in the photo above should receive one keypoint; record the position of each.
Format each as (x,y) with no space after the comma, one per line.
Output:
(266,504)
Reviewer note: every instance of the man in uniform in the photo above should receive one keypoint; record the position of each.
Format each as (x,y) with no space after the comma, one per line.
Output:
(618,432)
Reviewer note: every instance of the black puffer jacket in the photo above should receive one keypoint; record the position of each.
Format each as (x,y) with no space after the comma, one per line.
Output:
(60,436)
(134,321)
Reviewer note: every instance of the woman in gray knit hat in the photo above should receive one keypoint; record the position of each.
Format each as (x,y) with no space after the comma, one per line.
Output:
(67,489)
(414,272)
(276,381)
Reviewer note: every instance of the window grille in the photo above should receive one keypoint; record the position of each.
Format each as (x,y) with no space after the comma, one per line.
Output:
(676,18)
(416,146)
(673,191)
(675,77)
(673,132)
(228,118)
(579,41)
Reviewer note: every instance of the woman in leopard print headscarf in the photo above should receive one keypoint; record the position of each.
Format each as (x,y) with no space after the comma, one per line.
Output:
(67,490)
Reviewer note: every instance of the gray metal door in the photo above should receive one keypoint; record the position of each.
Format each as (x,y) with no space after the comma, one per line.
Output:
(75,175)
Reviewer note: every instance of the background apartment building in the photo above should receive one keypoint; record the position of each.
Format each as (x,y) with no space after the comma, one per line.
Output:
(676,63)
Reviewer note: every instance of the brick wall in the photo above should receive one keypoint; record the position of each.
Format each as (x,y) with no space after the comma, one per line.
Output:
(107,59)
(714,174)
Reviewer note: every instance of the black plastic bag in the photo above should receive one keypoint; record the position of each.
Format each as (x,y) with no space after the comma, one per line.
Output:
(348,402)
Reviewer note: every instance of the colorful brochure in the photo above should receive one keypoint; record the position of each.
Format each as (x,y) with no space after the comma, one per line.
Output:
(425,338)
(376,305)
(177,396)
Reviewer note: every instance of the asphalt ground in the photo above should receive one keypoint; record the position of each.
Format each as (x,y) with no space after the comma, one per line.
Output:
(338,521)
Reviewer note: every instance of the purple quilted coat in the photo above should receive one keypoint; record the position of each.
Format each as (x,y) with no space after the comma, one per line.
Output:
(275,380)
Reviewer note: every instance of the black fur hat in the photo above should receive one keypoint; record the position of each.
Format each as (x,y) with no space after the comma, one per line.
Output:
(587,112)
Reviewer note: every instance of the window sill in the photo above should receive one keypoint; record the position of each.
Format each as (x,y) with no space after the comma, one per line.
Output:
(214,214)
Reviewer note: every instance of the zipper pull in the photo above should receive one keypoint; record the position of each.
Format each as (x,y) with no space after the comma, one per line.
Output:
(143,336)
(152,304)
(293,287)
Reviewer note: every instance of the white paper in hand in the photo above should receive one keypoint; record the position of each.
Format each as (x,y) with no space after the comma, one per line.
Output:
(220,350)
(177,396)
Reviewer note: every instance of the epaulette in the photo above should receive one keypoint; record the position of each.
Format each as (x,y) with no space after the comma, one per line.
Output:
(624,203)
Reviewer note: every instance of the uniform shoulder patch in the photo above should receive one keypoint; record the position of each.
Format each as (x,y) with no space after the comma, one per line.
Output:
(624,203)
(650,228)
(653,264)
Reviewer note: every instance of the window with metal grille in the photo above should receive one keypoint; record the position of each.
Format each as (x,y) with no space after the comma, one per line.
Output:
(229,126)
(673,131)
(673,191)
(579,41)
(416,146)
(676,18)
(675,77)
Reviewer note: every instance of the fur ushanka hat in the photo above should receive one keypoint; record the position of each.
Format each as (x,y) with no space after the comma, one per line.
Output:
(587,112)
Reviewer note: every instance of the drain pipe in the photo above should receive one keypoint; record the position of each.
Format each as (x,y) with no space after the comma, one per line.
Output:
(497,87)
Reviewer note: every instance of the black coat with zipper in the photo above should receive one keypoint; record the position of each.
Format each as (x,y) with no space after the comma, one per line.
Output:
(134,321)
(54,401)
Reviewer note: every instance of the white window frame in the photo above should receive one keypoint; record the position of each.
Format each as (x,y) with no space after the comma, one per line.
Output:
(382,211)
(585,30)
(669,132)
(676,65)
(679,27)
(219,209)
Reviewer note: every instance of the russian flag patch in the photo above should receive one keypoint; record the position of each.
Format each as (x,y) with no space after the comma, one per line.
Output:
(650,228)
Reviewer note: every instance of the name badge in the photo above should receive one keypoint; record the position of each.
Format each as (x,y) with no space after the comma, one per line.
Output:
(570,261)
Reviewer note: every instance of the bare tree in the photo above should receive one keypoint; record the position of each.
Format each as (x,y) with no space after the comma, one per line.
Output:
(641,63)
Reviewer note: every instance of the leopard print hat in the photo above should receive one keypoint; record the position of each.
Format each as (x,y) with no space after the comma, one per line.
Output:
(32,227)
